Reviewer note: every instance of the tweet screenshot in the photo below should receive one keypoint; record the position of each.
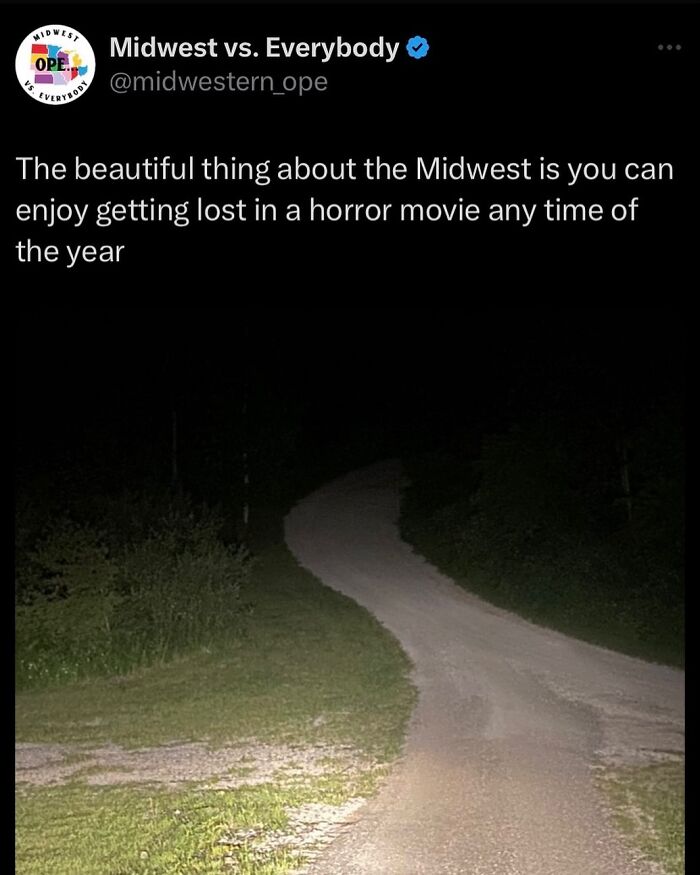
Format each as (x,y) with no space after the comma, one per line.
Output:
(311,144)
(324,565)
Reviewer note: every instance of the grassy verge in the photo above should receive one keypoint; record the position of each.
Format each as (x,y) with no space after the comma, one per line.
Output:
(647,804)
(492,537)
(307,666)
(79,830)
(516,541)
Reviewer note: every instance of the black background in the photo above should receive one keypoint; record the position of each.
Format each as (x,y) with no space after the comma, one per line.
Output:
(571,83)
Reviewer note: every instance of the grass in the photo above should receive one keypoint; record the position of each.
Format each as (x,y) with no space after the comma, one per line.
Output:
(305,651)
(647,805)
(78,830)
(595,615)
(559,576)
(147,578)
(302,653)
(578,592)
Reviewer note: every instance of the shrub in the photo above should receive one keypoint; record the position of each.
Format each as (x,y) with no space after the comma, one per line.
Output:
(67,596)
(153,581)
(538,532)
(184,584)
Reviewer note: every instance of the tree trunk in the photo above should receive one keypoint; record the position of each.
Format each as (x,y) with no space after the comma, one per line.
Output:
(174,473)
(625,478)
(245,462)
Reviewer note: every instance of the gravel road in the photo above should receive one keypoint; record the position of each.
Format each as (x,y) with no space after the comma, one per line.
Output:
(496,777)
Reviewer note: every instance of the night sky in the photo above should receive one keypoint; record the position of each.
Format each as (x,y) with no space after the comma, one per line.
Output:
(101,384)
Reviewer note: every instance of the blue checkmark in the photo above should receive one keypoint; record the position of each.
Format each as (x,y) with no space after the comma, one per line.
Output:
(417,47)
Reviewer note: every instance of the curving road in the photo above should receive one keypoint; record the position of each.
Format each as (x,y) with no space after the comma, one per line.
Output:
(496,773)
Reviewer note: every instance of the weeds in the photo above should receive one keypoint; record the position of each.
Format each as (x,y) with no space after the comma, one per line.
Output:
(135,588)
(647,804)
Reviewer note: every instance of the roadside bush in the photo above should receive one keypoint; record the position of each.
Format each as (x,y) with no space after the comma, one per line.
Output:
(94,601)
(537,529)
(66,597)
(184,585)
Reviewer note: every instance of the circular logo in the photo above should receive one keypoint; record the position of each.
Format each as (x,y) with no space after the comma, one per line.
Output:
(55,64)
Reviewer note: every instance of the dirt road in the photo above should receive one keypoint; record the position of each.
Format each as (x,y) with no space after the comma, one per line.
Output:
(496,778)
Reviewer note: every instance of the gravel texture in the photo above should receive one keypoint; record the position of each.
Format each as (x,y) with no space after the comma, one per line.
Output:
(496,777)
(172,765)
